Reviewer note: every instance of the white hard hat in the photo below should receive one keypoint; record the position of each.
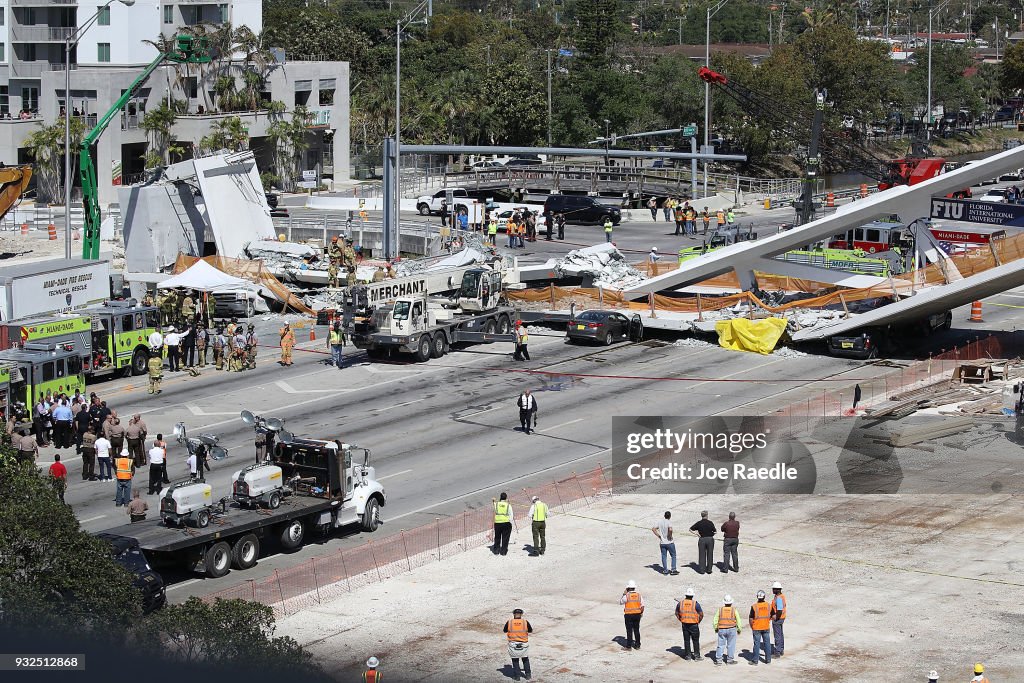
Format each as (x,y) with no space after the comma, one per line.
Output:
(727,600)
(654,249)
(933,675)
(760,595)
(372,662)
(535,499)
(777,585)
(631,584)
(689,591)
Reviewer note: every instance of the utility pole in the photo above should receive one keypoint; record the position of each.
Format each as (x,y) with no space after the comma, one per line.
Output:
(707,86)
(680,29)
(549,97)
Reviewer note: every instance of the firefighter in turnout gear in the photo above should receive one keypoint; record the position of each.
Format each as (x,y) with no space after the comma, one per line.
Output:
(251,341)
(332,275)
(349,255)
(219,341)
(156,372)
(287,344)
(350,277)
(334,252)
(188,308)
(237,361)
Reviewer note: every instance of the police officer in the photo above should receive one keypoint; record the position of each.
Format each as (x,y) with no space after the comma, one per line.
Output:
(251,341)
(28,449)
(156,370)
(89,454)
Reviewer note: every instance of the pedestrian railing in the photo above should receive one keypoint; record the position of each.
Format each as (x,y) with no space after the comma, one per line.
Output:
(327,578)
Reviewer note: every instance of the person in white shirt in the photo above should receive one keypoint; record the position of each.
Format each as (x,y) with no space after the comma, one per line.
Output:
(103,457)
(173,342)
(653,256)
(192,465)
(663,530)
(157,468)
(156,341)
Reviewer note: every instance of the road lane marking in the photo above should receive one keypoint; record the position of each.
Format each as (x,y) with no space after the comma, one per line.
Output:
(388,476)
(199,412)
(399,405)
(479,412)
(182,584)
(91,519)
(498,485)
(564,424)
(287,388)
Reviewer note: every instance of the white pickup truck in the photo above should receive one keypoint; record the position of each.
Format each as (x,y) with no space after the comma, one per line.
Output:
(428,204)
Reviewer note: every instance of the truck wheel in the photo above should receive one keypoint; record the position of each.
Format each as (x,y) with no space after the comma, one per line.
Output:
(274,501)
(245,552)
(139,360)
(489,327)
(202,519)
(217,562)
(423,349)
(504,324)
(371,515)
(424,209)
(292,534)
(440,345)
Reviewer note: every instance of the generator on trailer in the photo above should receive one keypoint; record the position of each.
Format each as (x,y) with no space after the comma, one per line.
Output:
(332,485)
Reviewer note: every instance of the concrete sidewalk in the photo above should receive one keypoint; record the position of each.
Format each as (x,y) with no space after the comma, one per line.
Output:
(879,588)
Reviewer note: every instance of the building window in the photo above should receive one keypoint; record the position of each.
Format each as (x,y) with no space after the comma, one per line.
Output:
(191,87)
(223,13)
(30,16)
(3,19)
(29,99)
(189,15)
(5,103)
(168,14)
(3,52)
(102,52)
(326,98)
(30,52)
(103,17)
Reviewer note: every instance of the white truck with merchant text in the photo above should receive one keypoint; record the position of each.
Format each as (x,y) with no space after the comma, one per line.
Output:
(383,318)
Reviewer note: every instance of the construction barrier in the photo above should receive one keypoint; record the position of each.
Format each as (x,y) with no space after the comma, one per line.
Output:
(51,230)
(24,229)
(863,190)
(976,313)
(327,578)
(830,200)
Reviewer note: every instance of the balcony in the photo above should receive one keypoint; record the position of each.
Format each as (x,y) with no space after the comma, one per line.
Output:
(43,3)
(40,34)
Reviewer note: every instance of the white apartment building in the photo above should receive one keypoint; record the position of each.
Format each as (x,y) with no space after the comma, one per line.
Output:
(111,54)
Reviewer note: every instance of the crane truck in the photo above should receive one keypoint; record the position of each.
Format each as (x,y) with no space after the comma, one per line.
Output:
(323,484)
(388,318)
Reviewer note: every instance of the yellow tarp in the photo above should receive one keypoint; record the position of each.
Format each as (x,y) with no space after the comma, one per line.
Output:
(759,336)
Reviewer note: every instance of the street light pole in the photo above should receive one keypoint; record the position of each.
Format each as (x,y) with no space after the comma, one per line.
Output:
(71,40)
(549,97)
(931,13)
(606,141)
(707,86)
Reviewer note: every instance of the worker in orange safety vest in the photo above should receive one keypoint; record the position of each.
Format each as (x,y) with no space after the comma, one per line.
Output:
(690,614)
(517,630)
(760,621)
(632,611)
(371,675)
(125,470)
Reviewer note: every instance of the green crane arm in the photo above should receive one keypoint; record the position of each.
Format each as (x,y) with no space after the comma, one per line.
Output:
(188,51)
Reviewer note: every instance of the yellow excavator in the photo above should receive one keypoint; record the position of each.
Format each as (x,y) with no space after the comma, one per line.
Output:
(13,183)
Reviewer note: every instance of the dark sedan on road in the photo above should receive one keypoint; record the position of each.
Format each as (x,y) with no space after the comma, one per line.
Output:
(603,327)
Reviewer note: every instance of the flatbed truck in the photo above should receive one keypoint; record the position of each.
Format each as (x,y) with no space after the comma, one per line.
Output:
(328,490)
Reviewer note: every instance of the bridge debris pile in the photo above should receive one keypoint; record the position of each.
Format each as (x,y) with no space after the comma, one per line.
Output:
(604,263)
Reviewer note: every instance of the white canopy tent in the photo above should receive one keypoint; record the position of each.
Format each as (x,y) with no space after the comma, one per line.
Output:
(204,277)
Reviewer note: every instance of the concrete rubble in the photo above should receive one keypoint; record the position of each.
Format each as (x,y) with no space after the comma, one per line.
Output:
(604,263)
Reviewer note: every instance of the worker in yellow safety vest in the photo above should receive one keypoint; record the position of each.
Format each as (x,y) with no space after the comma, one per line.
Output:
(608,227)
(502,524)
(760,620)
(492,232)
(539,523)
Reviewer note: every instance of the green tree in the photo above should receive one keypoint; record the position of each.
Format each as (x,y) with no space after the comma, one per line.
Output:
(228,133)
(46,147)
(1011,73)
(289,140)
(599,28)
(158,124)
(949,86)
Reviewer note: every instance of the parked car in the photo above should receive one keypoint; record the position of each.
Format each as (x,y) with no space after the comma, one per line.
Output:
(485,165)
(127,553)
(870,342)
(582,210)
(1013,175)
(1004,114)
(994,195)
(524,162)
(603,327)
(428,204)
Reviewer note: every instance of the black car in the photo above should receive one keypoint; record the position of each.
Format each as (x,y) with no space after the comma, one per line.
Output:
(522,162)
(1004,114)
(870,342)
(582,210)
(603,327)
(128,554)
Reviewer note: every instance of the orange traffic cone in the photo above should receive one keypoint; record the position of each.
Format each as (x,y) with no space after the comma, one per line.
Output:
(976,313)
(312,333)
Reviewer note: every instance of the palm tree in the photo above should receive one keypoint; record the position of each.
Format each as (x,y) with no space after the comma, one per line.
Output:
(228,133)
(46,145)
(158,124)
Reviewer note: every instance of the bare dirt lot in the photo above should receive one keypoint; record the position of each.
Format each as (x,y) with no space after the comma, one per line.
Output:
(879,588)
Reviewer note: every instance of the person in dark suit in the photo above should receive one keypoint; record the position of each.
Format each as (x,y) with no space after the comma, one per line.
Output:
(527,409)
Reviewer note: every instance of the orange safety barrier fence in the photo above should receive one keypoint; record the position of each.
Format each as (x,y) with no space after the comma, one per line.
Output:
(253,271)
(326,578)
